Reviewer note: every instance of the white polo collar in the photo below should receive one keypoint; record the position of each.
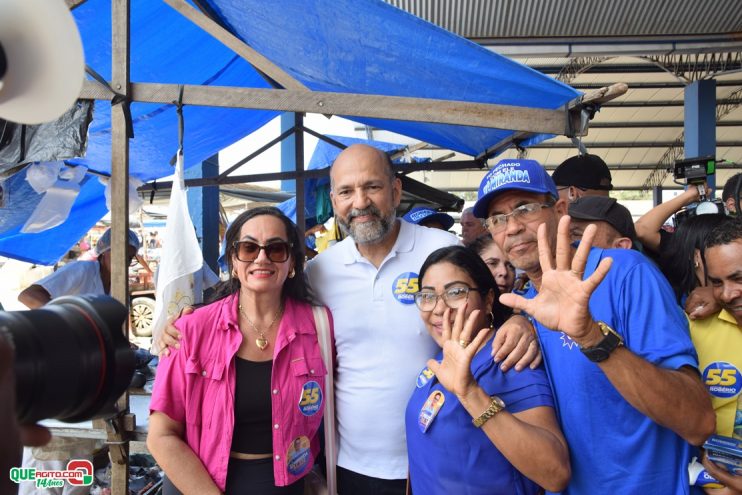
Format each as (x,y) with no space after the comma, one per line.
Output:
(404,243)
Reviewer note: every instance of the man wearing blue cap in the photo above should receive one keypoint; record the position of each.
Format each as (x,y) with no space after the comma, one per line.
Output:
(616,347)
(430,218)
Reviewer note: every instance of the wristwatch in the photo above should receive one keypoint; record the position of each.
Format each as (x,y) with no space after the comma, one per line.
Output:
(495,407)
(602,350)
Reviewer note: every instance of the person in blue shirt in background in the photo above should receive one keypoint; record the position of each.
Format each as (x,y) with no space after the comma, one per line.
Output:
(471,427)
(615,344)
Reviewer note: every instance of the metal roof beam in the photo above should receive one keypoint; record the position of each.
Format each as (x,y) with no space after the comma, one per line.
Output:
(649,166)
(623,68)
(697,66)
(624,125)
(650,144)
(655,125)
(665,103)
(616,45)
(656,85)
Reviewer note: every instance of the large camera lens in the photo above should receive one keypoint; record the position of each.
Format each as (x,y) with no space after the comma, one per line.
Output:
(71,358)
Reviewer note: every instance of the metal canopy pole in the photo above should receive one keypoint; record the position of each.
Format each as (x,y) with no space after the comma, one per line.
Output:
(120,125)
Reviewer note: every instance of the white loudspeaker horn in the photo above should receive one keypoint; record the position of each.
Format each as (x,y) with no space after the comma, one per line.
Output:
(44,58)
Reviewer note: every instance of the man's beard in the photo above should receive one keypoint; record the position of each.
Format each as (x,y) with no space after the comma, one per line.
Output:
(369,232)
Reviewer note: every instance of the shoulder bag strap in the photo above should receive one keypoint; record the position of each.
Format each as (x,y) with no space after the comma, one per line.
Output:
(324,337)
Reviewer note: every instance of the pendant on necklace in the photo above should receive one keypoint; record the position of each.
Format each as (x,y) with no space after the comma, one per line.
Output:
(262,343)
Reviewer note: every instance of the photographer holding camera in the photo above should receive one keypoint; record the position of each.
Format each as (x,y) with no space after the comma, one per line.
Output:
(649,226)
(694,201)
(15,434)
(699,302)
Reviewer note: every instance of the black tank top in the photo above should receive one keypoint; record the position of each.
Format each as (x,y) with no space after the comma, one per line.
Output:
(253,432)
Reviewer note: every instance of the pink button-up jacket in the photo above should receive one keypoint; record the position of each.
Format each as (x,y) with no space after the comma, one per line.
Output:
(195,386)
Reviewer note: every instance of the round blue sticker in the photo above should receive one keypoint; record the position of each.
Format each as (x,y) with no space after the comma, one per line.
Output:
(405,286)
(297,457)
(722,379)
(424,377)
(311,399)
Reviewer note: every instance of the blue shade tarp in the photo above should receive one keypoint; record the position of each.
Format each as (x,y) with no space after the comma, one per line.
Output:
(371,47)
(166,48)
(357,46)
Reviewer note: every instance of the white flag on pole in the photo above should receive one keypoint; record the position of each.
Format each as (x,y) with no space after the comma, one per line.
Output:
(181,259)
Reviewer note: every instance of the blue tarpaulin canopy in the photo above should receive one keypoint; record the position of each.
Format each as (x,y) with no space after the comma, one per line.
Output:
(346,46)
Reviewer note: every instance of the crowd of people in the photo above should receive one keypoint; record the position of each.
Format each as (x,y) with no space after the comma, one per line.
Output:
(549,349)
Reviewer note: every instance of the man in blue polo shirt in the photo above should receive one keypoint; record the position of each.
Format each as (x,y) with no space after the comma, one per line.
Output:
(615,344)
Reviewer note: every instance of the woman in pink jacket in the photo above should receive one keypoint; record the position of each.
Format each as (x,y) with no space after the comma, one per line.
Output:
(236,408)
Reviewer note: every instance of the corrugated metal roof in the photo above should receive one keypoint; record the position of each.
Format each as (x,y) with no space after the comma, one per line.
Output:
(634,149)
(578,18)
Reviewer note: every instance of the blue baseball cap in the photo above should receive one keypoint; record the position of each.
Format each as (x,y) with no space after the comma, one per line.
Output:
(513,174)
(422,214)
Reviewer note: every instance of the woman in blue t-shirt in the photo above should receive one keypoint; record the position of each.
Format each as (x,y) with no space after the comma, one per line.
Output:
(471,428)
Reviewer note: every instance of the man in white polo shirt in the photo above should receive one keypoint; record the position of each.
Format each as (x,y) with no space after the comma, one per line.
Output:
(368,281)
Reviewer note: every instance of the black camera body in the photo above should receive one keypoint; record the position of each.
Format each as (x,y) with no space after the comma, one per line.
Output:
(694,170)
(72,361)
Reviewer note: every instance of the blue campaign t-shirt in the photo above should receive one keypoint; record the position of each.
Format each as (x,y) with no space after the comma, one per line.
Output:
(455,457)
(613,447)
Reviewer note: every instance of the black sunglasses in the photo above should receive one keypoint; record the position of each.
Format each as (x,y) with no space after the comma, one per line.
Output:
(278,252)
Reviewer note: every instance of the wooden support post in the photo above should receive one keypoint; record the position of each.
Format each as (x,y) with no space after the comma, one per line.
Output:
(120,120)
(360,105)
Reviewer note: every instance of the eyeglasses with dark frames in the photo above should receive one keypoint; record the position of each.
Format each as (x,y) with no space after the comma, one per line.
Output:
(248,251)
(523,213)
(453,297)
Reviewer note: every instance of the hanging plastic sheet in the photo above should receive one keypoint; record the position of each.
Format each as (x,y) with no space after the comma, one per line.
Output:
(58,140)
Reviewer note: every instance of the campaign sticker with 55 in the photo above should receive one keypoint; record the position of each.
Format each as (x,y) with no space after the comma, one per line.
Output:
(405,286)
(722,379)
(79,472)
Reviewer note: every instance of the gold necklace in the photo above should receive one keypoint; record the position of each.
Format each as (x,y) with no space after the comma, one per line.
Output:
(260,341)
